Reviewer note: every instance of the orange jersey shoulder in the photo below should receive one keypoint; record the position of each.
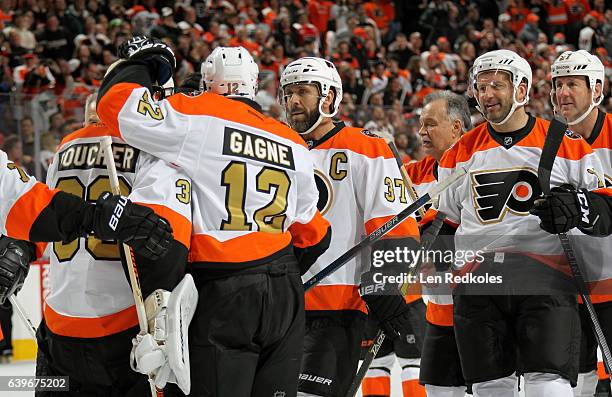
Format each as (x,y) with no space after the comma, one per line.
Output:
(89,131)
(421,171)
(360,141)
(604,139)
(228,109)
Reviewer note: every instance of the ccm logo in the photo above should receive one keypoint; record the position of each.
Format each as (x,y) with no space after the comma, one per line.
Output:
(584,206)
(114,220)
(316,379)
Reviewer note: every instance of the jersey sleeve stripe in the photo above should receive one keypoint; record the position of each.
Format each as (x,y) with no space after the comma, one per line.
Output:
(247,248)
(309,234)
(26,209)
(334,297)
(439,314)
(604,191)
(181,226)
(92,327)
(110,105)
(408,228)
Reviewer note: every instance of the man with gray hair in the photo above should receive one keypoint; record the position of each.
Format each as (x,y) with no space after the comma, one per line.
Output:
(444,118)
(429,355)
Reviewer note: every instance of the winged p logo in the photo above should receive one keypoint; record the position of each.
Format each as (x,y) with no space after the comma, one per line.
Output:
(496,192)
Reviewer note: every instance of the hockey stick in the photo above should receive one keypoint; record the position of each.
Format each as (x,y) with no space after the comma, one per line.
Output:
(384,229)
(106,145)
(554,137)
(426,242)
(22,314)
(410,187)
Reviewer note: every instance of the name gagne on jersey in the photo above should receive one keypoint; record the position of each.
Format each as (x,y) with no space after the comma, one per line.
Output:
(250,146)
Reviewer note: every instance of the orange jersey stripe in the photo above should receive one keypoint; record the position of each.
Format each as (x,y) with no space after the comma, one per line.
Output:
(377,386)
(334,297)
(408,228)
(307,235)
(250,247)
(421,171)
(79,327)
(207,104)
(111,105)
(479,139)
(181,226)
(26,209)
(355,140)
(439,314)
(90,131)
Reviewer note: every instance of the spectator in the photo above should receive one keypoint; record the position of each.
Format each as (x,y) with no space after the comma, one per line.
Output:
(55,40)
(531,31)
(589,36)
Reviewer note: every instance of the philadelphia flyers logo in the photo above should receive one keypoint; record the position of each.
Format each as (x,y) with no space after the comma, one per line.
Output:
(326,193)
(498,191)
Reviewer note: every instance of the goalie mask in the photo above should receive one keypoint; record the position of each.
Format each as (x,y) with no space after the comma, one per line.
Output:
(317,71)
(506,61)
(578,63)
(230,71)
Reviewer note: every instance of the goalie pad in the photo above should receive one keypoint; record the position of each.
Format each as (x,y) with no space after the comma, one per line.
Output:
(163,353)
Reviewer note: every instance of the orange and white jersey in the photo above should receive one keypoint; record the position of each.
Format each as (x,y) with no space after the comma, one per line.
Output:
(439,300)
(90,295)
(360,188)
(22,202)
(595,253)
(491,205)
(252,176)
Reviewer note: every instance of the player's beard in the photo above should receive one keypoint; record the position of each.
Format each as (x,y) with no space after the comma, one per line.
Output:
(302,126)
(498,115)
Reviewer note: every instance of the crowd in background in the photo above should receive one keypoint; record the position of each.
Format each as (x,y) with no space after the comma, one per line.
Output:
(390,54)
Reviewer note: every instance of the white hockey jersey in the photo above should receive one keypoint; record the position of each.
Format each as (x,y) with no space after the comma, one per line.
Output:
(90,295)
(595,253)
(360,188)
(491,205)
(22,199)
(253,181)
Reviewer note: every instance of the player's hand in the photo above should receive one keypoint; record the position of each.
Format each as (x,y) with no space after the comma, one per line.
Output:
(117,218)
(158,56)
(15,258)
(564,209)
(386,305)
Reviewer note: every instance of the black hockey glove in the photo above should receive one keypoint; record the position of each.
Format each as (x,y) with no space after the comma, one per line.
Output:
(564,209)
(15,258)
(386,305)
(117,218)
(158,56)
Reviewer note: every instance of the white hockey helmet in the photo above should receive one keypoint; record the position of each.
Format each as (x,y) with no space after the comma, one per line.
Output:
(508,61)
(311,70)
(578,63)
(230,71)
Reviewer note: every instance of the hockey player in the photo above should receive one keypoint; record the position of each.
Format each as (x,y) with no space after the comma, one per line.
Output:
(578,79)
(31,211)
(360,188)
(491,211)
(254,198)
(444,118)
(90,317)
